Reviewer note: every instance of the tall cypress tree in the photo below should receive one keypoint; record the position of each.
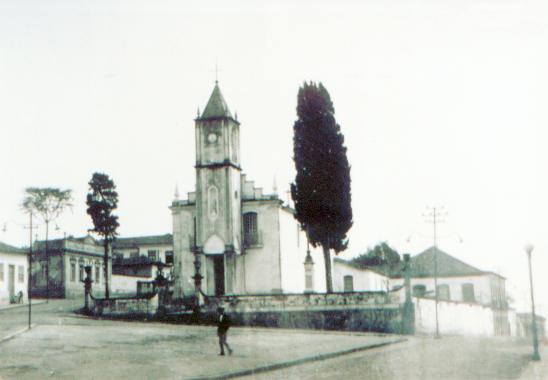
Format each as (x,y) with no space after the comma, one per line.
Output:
(321,191)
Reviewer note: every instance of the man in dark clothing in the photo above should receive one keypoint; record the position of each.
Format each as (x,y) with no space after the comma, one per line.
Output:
(223,324)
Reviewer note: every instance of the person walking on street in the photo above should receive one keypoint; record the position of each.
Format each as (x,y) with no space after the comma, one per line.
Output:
(223,324)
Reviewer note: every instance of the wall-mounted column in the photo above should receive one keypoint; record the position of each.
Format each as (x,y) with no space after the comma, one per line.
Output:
(408,313)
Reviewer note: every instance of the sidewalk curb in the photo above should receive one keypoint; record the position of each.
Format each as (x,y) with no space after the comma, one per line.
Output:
(250,328)
(291,363)
(18,332)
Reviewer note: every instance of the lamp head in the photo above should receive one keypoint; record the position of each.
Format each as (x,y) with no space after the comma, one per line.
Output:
(528,248)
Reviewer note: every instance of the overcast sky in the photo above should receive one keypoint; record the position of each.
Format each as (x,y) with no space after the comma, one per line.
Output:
(441,103)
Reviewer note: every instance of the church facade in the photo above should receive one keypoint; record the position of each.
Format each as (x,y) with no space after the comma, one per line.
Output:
(240,240)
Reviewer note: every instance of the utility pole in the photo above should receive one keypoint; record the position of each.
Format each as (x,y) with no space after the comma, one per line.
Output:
(433,216)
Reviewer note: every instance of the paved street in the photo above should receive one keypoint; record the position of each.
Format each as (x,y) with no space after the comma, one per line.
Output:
(446,358)
(13,318)
(65,346)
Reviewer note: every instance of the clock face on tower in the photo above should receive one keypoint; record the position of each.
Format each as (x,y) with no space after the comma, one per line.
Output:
(212,138)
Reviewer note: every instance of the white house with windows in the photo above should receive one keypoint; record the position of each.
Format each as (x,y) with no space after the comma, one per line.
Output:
(466,295)
(13,274)
(470,301)
(67,259)
(240,240)
(349,277)
(457,280)
(69,256)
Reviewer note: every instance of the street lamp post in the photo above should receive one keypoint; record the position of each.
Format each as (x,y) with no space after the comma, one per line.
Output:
(536,356)
(197,276)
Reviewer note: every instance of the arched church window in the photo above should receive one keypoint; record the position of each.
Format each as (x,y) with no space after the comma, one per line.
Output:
(213,202)
(251,232)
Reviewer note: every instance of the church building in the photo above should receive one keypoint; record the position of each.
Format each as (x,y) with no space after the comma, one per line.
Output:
(240,240)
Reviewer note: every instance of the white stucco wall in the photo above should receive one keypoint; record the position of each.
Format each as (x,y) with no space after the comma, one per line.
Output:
(122,284)
(513,322)
(497,292)
(363,279)
(183,258)
(293,254)
(482,286)
(235,194)
(18,261)
(454,318)
(261,265)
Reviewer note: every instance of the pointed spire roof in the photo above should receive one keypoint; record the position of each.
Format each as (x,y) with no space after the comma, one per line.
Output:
(216,106)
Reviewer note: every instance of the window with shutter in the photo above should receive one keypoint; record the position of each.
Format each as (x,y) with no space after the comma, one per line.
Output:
(251,232)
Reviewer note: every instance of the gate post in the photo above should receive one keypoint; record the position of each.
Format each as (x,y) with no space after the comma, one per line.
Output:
(87,287)
(408,317)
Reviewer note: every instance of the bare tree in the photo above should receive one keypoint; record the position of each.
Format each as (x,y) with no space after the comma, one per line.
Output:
(48,203)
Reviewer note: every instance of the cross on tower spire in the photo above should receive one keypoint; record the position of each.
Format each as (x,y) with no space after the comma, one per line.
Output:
(216,73)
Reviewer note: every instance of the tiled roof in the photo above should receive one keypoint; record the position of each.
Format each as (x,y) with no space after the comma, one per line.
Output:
(216,106)
(138,261)
(6,248)
(133,242)
(423,265)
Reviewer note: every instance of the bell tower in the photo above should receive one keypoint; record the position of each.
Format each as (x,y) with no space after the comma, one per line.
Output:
(218,192)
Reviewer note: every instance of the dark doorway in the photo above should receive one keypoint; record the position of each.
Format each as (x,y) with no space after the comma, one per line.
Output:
(219,274)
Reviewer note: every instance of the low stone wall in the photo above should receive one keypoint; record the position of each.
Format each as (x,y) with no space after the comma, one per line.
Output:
(309,301)
(129,307)
(383,319)
(354,311)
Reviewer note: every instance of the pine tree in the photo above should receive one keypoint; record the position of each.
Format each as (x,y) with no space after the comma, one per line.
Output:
(321,191)
(101,201)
